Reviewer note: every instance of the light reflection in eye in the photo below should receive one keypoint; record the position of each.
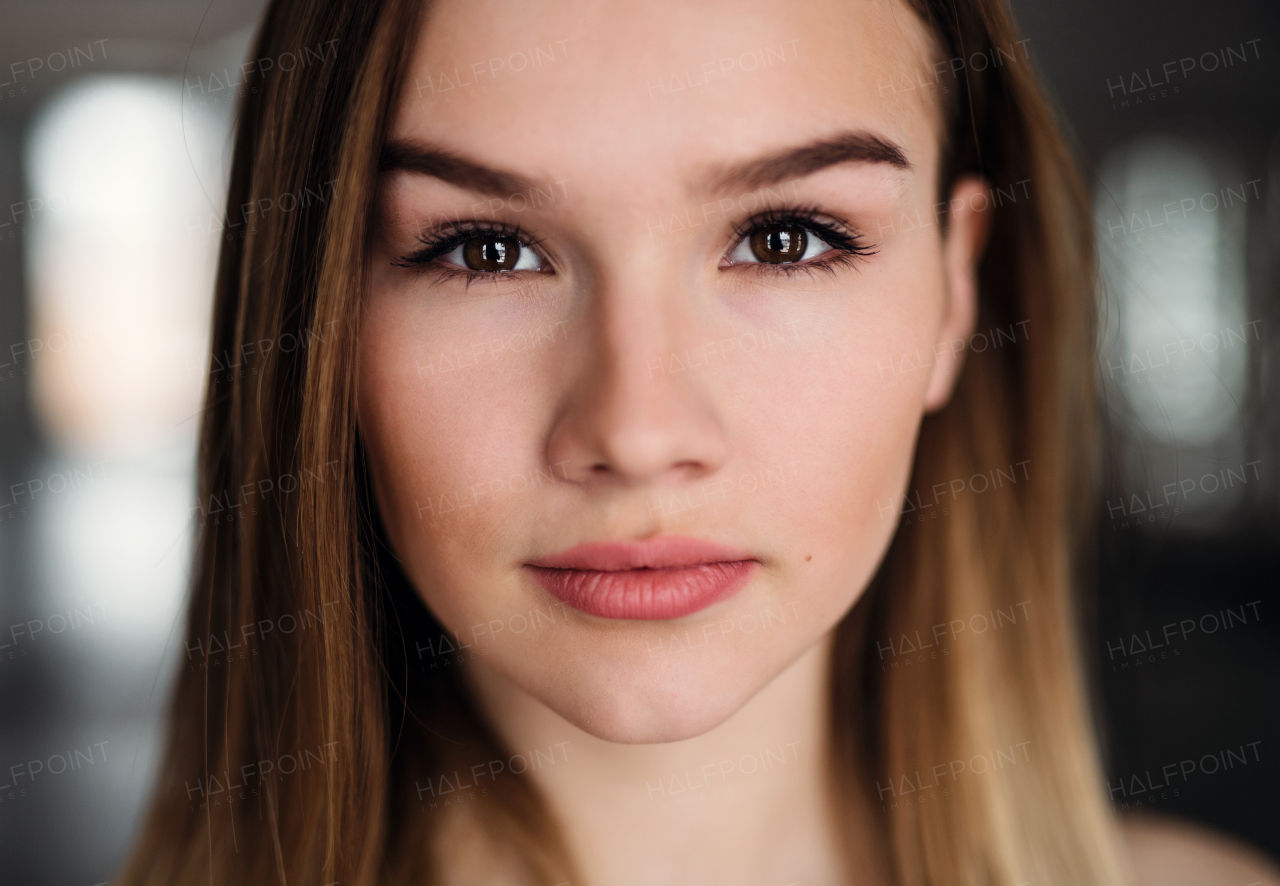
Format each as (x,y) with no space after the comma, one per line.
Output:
(493,254)
(779,244)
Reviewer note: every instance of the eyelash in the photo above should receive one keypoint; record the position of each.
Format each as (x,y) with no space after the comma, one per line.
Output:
(452,235)
(848,247)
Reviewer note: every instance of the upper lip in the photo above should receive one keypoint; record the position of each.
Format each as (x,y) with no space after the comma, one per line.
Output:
(666,552)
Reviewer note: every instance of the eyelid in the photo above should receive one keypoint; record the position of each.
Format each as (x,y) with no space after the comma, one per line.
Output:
(452,234)
(848,240)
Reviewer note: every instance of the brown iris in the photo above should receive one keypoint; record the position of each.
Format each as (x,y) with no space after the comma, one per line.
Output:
(491,253)
(779,243)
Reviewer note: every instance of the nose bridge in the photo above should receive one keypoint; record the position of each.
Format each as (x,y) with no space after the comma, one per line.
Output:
(624,420)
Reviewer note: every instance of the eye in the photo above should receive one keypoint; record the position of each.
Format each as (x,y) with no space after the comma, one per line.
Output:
(475,251)
(489,253)
(794,239)
(778,244)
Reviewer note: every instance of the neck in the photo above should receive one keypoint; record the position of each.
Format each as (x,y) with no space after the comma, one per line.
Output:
(747,802)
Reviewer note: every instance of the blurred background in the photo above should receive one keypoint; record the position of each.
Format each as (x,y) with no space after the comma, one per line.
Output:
(115,123)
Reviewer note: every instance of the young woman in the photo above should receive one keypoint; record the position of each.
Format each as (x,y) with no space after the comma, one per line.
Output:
(629,507)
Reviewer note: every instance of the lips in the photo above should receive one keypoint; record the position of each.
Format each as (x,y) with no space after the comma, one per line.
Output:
(661,578)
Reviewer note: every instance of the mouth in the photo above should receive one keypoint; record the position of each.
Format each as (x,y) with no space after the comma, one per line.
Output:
(662,578)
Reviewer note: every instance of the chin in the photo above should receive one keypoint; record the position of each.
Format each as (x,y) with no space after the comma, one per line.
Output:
(640,706)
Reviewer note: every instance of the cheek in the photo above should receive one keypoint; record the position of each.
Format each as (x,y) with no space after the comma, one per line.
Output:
(450,425)
(838,409)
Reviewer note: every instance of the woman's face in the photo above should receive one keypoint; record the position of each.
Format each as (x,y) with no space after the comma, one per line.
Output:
(648,273)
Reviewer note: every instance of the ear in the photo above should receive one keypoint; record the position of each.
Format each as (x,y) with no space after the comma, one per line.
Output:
(962,250)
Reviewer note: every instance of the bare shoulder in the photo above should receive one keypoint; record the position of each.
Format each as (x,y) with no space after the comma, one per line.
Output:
(1172,852)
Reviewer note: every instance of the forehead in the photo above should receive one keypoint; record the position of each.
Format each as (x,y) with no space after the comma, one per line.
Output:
(590,88)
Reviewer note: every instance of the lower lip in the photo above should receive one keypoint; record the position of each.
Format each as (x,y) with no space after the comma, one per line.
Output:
(646,594)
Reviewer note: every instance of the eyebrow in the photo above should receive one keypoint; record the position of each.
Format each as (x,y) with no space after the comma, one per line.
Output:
(797,162)
(406,156)
(788,163)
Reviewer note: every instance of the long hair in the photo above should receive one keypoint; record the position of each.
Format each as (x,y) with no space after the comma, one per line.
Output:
(303,721)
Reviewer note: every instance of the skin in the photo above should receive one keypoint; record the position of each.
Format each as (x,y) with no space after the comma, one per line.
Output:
(1168,852)
(823,429)
(640,385)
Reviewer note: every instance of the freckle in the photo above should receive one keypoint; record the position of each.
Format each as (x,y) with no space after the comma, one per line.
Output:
(808,557)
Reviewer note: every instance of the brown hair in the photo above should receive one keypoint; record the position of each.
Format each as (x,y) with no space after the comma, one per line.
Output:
(341,694)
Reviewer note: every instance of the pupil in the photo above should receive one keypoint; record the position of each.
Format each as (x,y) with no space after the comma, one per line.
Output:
(779,244)
(491,253)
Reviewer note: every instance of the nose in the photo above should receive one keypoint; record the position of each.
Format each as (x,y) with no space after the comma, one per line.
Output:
(626,419)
